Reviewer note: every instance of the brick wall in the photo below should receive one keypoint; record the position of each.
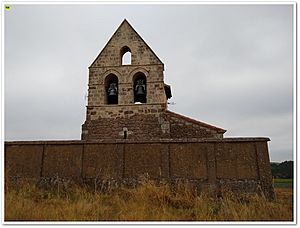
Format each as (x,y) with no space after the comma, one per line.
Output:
(241,164)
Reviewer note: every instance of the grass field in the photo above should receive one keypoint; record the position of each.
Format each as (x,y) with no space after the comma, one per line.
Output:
(145,203)
(283,183)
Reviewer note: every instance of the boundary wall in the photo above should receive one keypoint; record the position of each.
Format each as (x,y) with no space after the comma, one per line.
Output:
(240,164)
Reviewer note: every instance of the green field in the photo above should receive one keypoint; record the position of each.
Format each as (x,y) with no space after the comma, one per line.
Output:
(283,183)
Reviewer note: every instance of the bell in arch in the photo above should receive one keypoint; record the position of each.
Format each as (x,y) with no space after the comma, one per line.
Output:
(140,88)
(112,90)
(112,93)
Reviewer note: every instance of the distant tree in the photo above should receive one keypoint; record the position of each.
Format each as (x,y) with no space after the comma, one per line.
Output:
(283,169)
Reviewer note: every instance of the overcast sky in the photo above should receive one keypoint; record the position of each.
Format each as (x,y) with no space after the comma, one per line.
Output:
(228,65)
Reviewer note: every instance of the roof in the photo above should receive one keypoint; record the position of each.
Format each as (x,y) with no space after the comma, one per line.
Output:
(219,130)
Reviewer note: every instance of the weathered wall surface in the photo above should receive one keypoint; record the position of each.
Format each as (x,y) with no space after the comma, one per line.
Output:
(240,164)
(125,74)
(125,35)
(109,61)
(185,127)
(144,122)
(150,120)
(100,114)
(24,160)
(140,127)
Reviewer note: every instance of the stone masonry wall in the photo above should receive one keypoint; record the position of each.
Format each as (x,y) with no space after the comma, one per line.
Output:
(140,127)
(125,74)
(240,164)
(125,35)
(145,122)
(184,127)
(123,111)
(109,61)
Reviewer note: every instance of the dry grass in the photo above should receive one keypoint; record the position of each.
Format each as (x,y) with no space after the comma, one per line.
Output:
(145,203)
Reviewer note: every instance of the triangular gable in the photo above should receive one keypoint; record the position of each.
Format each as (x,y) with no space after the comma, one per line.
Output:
(125,35)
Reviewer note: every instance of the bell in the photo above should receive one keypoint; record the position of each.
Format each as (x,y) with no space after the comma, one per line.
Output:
(140,90)
(112,90)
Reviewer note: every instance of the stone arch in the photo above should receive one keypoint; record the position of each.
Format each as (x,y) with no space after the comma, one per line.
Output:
(139,69)
(111,89)
(133,75)
(111,71)
(139,82)
(125,56)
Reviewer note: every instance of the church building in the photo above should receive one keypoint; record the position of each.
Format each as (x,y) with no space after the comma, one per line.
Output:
(129,132)
(127,95)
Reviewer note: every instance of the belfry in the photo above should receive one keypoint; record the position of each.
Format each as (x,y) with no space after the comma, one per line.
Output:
(127,96)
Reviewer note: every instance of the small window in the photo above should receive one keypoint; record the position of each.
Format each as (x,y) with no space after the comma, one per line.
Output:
(125,56)
(111,88)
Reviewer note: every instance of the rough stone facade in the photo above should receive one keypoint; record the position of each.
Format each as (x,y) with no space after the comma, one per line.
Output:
(150,126)
(149,120)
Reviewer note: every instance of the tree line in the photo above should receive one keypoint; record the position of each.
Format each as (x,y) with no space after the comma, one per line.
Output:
(282,170)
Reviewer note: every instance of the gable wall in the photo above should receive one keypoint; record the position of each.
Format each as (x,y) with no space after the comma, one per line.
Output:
(126,36)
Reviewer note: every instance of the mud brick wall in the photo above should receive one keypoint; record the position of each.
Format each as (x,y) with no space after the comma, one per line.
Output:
(241,164)
(24,160)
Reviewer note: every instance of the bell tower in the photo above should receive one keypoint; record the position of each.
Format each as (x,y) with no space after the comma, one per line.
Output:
(126,79)
(127,96)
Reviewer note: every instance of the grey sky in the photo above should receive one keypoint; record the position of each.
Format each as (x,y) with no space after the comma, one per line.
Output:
(228,65)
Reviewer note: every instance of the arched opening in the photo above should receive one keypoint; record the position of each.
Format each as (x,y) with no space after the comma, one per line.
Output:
(111,89)
(140,88)
(125,56)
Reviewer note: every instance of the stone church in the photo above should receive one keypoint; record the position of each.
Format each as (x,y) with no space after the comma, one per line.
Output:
(129,132)
(128,100)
